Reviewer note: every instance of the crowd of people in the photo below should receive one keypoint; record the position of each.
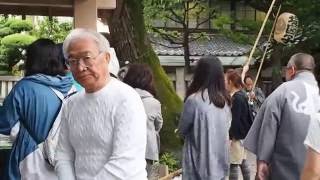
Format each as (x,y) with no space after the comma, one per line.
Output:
(109,128)
(276,132)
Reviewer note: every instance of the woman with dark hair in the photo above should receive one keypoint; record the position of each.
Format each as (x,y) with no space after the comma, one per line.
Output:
(140,77)
(33,105)
(205,122)
(240,125)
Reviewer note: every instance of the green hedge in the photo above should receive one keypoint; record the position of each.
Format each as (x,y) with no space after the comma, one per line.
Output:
(17,40)
(21,25)
(5,31)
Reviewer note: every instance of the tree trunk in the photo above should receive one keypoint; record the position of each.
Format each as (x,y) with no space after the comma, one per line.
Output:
(130,40)
(233,14)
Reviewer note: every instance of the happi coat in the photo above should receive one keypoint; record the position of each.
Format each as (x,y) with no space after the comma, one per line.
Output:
(281,126)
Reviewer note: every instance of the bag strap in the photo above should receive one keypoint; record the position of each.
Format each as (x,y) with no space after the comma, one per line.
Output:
(58,93)
(71,92)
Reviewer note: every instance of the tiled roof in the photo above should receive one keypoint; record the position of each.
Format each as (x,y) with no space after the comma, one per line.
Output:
(217,45)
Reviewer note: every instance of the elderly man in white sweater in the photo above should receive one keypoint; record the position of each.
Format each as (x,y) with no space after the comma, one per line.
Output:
(103,129)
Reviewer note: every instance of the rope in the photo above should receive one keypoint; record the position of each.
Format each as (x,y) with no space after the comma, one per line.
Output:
(265,51)
(246,66)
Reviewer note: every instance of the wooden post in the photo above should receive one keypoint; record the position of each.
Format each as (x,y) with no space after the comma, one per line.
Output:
(180,82)
(85,14)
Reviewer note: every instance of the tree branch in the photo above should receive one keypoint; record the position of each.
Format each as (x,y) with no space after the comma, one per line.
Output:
(163,33)
(167,36)
(194,6)
(211,15)
(171,41)
(195,39)
(176,15)
(174,20)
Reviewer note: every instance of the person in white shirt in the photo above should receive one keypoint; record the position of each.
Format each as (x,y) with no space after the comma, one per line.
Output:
(103,129)
(311,169)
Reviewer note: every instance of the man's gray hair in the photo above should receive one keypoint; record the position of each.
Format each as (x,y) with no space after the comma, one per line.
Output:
(80,33)
(302,61)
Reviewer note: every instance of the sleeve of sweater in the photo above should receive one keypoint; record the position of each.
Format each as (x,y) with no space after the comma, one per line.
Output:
(238,106)
(64,153)
(129,141)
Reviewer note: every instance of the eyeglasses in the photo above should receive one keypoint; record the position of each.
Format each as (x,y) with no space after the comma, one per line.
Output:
(86,61)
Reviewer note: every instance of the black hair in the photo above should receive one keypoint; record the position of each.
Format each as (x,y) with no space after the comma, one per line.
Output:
(43,57)
(247,77)
(140,76)
(209,76)
(61,56)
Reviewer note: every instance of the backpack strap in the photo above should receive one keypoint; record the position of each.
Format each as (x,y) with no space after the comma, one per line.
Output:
(58,93)
(48,147)
(71,92)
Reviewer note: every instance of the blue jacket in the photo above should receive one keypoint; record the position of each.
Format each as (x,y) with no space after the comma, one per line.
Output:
(32,103)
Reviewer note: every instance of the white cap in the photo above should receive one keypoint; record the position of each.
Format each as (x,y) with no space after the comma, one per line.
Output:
(114,63)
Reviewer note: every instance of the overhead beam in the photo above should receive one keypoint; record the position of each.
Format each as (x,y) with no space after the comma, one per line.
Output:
(101,4)
(44,11)
(38,3)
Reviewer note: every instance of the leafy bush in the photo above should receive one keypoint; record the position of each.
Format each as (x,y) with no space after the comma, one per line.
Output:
(17,40)
(254,26)
(12,47)
(18,25)
(53,30)
(169,160)
(8,22)
(222,21)
(5,31)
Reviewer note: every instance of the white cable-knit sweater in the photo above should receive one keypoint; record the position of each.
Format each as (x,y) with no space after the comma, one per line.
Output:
(103,135)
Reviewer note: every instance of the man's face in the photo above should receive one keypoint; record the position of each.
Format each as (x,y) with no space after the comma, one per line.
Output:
(249,84)
(87,64)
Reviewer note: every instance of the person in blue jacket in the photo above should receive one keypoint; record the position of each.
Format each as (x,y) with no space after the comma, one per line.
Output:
(33,104)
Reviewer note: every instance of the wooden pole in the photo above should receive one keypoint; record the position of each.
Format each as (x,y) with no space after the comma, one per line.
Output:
(246,66)
(265,51)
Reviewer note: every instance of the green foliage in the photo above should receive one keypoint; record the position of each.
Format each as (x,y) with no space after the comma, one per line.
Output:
(18,25)
(53,29)
(221,21)
(188,15)
(239,37)
(8,22)
(254,26)
(177,11)
(12,47)
(169,160)
(17,40)
(5,31)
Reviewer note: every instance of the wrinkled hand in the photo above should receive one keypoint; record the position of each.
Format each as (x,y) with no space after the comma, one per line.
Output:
(262,171)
